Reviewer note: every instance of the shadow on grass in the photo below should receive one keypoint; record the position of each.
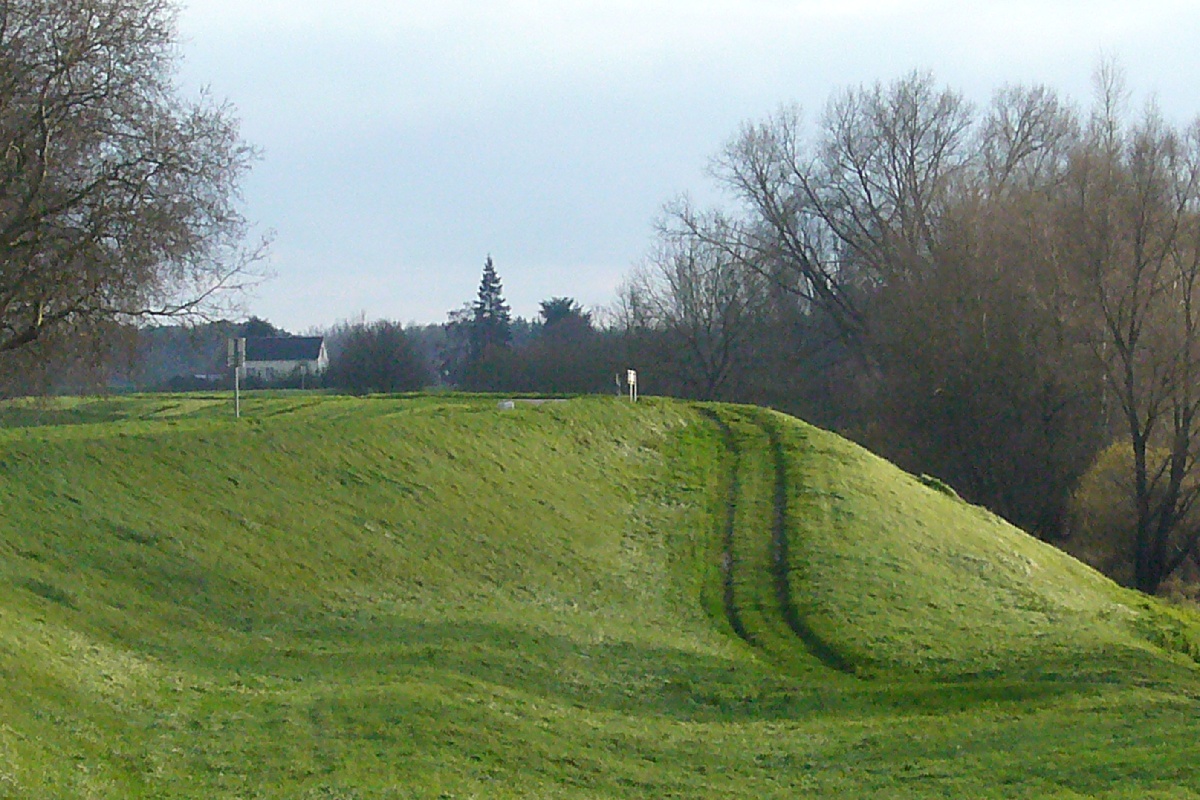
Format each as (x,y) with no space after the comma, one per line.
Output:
(212,623)
(617,676)
(34,414)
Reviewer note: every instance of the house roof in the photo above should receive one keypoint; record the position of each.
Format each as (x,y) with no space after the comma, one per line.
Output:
(283,348)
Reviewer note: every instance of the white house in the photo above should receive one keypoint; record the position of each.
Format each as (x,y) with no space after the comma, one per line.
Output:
(273,357)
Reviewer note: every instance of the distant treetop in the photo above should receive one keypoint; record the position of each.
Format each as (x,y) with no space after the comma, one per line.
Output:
(258,327)
(491,322)
(562,316)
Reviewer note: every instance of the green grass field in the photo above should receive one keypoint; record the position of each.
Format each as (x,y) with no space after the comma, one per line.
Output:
(428,596)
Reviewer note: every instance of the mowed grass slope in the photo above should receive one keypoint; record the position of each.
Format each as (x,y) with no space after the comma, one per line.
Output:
(432,597)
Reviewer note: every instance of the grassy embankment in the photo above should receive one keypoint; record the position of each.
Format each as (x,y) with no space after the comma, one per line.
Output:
(424,597)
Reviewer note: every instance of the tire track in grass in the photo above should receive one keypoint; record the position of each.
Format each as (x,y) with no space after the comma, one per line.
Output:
(733,457)
(781,559)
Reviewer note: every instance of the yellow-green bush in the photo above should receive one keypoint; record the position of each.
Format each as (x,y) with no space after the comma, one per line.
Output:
(1102,519)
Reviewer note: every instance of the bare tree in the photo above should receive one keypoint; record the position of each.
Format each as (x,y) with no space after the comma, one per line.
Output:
(117,197)
(708,305)
(836,216)
(982,378)
(1025,141)
(1132,229)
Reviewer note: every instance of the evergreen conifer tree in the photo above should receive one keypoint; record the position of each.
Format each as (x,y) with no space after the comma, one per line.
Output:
(491,324)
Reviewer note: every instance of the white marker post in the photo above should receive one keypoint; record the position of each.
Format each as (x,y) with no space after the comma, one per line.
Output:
(236,357)
(631,379)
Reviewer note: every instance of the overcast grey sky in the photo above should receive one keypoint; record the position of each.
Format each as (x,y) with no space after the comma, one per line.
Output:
(404,140)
